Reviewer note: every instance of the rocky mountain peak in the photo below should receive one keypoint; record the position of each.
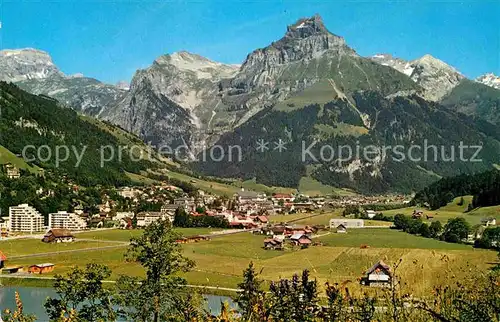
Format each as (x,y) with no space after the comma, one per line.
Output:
(398,64)
(306,27)
(490,80)
(430,62)
(435,76)
(28,63)
(196,65)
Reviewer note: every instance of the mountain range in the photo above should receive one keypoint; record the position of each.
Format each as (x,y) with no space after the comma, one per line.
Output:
(308,85)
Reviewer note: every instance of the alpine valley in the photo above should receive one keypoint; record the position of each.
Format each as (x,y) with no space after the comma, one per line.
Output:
(309,89)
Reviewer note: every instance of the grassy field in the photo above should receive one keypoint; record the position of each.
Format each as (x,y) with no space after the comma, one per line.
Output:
(220,262)
(311,187)
(320,219)
(125,235)
(453,210)
(8,157)
(27,246)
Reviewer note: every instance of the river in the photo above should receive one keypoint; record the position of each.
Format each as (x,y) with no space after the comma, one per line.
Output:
(34,297)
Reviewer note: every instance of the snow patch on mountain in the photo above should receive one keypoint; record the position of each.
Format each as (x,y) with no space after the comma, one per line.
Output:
(490,80)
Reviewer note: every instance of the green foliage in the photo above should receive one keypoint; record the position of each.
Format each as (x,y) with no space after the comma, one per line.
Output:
(456,230)
(402,222)
(48,193)
(155,297)
(391,121)
(435,229)
(489,239)
(185,220)
(474,98)
(29,120)
(484,186)
(81,294)
(295,299)
(250,296)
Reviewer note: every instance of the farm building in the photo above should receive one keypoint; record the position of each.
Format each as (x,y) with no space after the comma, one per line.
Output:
(378,275)
(273,243)
(341,229)
(348,223)
(370,213)
(12,270)
(417,213)
(300,239)
(58,236)
(41,268)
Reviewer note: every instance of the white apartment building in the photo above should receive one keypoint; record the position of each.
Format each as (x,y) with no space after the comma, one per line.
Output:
(147,217)
(25,218)
(66,220)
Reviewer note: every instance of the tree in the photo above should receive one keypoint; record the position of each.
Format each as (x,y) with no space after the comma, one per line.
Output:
(414,226)
(351,210)
(295,299)
(435,229)
(489,239)
(81,293)
(455,230)
(461,202)
(181,218)
(155,297)
(424,230)
(402,222)
(250,297)
(335,310)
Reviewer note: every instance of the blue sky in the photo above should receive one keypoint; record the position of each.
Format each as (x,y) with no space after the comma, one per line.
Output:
(109,40)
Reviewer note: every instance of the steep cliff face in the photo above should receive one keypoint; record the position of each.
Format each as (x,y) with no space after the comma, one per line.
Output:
(34,71)
(181,91)
(219,97)
(151,115)
(83,94)
(21,64)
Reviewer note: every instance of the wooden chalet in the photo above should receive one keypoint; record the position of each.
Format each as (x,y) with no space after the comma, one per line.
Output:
(378,275)
(273,243)
(58,236)
(341,229)
(301,239)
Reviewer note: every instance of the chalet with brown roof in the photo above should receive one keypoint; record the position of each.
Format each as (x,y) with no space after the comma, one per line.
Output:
(378,275)
(273,243)
(301,240)
(58,236)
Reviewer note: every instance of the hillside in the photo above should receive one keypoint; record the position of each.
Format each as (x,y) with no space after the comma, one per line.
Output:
(367,118)
(473,98)
(41,127)
(485,187)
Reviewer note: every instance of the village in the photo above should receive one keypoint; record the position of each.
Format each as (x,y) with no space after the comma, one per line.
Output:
(280,223)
